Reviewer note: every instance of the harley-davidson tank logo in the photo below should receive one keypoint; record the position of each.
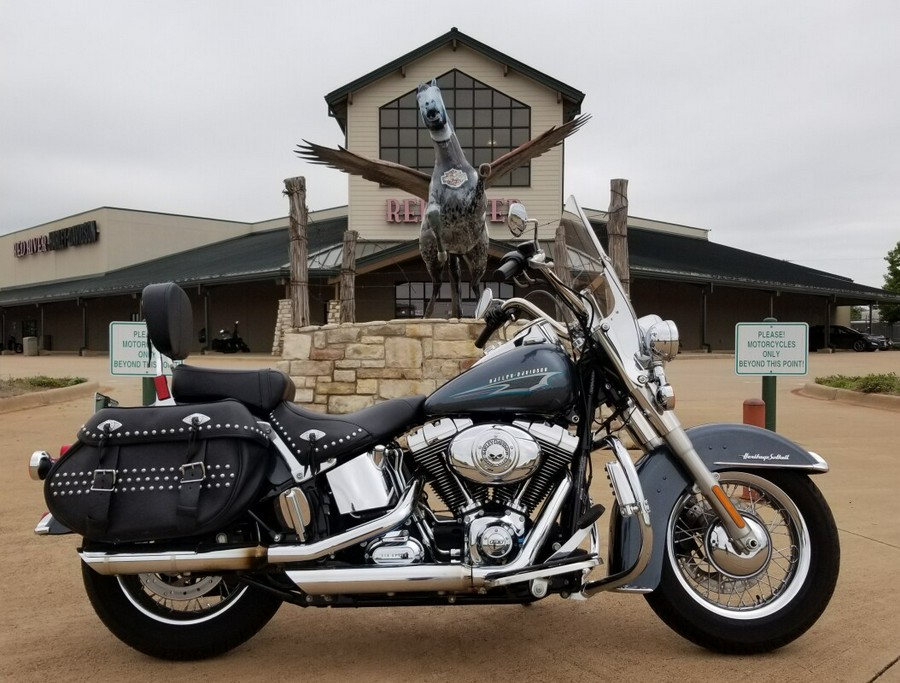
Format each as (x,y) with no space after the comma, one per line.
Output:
(517,375)
(454,178)
(512,383)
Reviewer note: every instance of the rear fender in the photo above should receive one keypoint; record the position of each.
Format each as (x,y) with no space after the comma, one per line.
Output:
(721,447)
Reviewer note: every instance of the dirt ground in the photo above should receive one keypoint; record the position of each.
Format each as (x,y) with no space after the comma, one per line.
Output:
(50,633)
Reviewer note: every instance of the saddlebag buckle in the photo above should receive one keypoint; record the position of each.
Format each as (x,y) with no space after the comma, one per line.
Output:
(193,473)
(104,481)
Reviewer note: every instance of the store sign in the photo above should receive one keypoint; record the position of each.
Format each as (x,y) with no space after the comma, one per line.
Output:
(411,210)
(73,236)
(130,352)
(771,348)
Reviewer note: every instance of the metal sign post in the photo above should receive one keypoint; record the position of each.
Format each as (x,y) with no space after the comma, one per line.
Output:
(769,349)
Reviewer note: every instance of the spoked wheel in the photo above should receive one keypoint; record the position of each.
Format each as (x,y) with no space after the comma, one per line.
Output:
(179,616)
(749,602)
(859,345)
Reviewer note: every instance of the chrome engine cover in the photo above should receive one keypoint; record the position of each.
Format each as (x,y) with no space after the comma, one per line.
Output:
(494,454)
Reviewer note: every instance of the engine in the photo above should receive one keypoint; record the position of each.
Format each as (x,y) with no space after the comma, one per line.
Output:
(492,477)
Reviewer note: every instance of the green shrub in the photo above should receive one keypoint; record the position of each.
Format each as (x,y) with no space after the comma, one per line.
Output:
(44,382)
(884,383)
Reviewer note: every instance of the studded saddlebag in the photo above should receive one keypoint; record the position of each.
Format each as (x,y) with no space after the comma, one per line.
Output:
(160,472)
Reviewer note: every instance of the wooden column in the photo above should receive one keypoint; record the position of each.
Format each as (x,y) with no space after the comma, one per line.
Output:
(561,256)
(348,277)
(295,189)
(617,228)
(561,264)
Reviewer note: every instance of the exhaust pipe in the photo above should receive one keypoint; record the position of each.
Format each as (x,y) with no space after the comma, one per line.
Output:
(412,578)
(232,559)
(252,557)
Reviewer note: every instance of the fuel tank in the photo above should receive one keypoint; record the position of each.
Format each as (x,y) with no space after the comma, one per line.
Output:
(535,379)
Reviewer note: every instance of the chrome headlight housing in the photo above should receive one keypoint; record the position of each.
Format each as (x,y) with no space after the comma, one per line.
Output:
(660,337)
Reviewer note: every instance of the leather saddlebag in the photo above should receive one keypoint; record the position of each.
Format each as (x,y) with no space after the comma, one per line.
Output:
(158,472)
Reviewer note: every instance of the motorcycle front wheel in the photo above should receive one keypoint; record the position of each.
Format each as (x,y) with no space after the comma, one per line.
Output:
(744,603)
(179,616)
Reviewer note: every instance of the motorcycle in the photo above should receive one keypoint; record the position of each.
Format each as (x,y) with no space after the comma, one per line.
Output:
(202,514)
(229,341)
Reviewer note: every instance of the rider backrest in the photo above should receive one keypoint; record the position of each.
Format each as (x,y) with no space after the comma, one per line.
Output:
(170,320)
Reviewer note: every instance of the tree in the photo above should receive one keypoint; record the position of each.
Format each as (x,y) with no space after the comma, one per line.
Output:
(890,313)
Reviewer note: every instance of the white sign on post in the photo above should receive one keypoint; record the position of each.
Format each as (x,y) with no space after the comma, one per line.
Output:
(129,351)
(771,348)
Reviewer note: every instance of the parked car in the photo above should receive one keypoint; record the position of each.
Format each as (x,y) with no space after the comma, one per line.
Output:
(841,337)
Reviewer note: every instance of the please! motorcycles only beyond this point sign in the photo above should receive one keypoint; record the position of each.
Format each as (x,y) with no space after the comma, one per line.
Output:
(771,348)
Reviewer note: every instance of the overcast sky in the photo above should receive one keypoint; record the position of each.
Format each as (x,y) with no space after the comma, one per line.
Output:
(776,124)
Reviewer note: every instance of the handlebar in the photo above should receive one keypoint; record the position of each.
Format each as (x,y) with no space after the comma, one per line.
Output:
(515,262)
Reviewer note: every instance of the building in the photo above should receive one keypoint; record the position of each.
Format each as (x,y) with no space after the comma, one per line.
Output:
(65,281)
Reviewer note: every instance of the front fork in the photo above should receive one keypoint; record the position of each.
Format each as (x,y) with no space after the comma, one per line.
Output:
(741,534)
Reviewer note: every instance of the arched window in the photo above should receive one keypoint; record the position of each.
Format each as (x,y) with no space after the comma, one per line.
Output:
(488,124)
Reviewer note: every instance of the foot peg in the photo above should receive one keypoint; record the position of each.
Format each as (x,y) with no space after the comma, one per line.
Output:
(591,515)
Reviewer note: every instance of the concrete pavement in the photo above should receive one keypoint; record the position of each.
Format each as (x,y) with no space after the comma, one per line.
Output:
(50,631)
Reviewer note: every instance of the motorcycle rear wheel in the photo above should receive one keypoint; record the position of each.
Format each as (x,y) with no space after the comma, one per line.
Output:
(749,603)
(179,616)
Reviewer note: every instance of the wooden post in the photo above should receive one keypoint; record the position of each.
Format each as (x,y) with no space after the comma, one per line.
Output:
(348,277)
(561,256)
(617,228)
(295,189)
(561,264)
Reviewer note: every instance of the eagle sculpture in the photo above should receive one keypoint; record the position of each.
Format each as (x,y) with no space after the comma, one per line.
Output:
(453,224)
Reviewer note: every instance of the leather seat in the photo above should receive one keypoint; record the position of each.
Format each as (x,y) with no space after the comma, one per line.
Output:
(317,437)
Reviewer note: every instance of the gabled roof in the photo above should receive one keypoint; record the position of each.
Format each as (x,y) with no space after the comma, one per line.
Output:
(337,99)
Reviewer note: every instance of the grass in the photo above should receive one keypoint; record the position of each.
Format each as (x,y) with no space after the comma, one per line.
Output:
(884,383)
(23,385)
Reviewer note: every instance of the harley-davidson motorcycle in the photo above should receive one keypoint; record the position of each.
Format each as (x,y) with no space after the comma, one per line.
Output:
(202,514)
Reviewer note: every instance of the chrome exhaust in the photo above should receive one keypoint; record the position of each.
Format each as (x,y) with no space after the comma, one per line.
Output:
(248,558)
(412,578)
(231,559)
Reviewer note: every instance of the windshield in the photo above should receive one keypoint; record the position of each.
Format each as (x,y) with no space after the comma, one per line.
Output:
(587,267)
(586,264)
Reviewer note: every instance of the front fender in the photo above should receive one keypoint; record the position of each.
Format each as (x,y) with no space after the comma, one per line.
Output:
(663,479)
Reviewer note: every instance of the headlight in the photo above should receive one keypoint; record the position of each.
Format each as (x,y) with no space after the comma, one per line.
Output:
(660,337)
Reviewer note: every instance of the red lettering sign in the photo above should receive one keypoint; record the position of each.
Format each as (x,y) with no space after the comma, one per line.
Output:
(412,210)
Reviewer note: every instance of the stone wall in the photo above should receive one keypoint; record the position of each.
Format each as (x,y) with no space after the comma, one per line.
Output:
(342,368)
(283,321)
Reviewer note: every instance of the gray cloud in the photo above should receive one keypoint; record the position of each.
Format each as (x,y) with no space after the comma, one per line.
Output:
(777,125)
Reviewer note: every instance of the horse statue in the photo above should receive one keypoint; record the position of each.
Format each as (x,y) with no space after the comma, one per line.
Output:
(453,225)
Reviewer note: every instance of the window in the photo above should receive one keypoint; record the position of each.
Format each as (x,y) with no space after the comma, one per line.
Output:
(488,124)
(411,298)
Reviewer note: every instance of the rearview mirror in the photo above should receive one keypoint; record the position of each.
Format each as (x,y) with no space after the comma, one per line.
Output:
(483,302)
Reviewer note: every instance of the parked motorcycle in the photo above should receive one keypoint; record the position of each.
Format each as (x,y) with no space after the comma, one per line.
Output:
(229,341)
(202,514)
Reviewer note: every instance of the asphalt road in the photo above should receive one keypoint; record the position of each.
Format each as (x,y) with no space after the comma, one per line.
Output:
(48,631)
